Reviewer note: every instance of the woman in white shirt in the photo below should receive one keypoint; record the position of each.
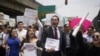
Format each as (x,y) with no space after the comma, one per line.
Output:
(31,44)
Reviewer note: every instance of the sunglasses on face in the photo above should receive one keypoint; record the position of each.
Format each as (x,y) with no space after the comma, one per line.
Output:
(97,36)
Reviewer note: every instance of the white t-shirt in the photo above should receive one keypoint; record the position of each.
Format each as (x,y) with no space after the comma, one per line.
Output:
(88,38)
(21,34)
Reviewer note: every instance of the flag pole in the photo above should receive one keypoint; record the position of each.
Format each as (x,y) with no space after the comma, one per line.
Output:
(79,25)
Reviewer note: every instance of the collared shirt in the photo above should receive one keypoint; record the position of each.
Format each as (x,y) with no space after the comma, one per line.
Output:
(58,32)
(21,34)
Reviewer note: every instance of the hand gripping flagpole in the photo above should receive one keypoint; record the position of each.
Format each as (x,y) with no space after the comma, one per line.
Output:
(79,25)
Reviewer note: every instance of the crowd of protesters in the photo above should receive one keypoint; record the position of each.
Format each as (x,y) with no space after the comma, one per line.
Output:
(12,39)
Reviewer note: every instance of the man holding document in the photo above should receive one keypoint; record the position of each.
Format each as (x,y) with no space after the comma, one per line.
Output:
(53,39)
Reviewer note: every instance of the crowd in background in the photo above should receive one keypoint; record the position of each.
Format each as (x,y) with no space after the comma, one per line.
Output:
(12,39)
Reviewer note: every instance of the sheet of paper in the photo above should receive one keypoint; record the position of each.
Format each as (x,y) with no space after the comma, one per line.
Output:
(7,17)
(30,49)
(12,22)
(20,18)
(30,16)
(52,43)
(29,20)
(30,12)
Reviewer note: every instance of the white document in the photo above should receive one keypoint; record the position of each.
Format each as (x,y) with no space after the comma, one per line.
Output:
(30,12)
(20,18)
(12,22)
(7,17)
(30,16)
(30,49)
(29,20)
(52,43)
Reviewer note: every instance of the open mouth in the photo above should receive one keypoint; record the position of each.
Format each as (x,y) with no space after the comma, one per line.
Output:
(95,39)
(31,34)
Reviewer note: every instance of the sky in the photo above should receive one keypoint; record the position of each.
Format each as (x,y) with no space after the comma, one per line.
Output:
(74,7)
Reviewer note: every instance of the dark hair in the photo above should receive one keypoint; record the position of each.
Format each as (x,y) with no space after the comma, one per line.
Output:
(19,22)
(55,16)
(29,26)
(10,35)
(27,36)
(91,27)
(65,25)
